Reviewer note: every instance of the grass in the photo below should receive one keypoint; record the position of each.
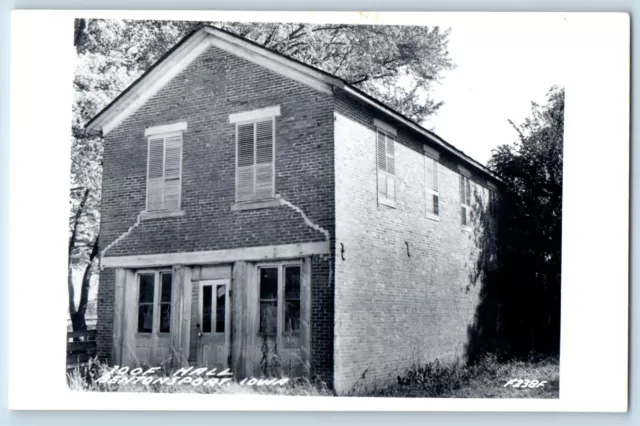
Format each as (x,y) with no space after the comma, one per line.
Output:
(86,379)
(485,379)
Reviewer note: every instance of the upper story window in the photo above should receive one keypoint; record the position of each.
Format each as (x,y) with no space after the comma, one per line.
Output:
(431,183)
(493,201)
(255,153)
(164,166)
(465,198)
(386,161)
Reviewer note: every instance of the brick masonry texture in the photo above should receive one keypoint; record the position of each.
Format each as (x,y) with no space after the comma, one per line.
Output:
(374,313)
(211,88)
(393,309)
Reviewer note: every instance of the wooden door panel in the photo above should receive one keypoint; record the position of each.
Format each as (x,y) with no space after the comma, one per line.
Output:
(213,341)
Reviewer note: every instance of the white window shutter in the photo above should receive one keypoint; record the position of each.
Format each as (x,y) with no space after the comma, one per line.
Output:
(382,151)
(391,187)
(172,172)
(435,175)
(391,166)
(382,184)
(431,183)
(245,172)
(429,173)
(164,172)
(173,156)
(155,178)
(172,194)
(255,172)
(385,159)
(264,187)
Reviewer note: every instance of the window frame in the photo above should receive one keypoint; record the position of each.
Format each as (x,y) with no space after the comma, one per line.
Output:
(164,135)
(157,297)
(285,299)
(466,182)
(390,136)
(254,117)
(493,200)
(432,155)
(280,299)
(214,305)
(255,122)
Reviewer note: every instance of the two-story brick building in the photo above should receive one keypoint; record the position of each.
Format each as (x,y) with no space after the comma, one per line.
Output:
(258,214)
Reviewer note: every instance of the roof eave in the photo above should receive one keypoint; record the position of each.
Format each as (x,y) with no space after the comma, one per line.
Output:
(96,127)
(416,127)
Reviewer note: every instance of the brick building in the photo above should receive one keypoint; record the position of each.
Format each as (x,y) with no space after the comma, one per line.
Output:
(262,215)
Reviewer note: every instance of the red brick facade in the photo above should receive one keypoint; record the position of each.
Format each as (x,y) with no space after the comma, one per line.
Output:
(214,86)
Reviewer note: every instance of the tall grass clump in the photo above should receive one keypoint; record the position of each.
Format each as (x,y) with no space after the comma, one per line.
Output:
(85,378)
(486,378)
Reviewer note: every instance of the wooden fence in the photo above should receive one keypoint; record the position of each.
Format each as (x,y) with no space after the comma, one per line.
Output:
(81,346)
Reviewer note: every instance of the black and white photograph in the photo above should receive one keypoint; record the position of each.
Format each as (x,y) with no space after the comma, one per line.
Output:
(315,209)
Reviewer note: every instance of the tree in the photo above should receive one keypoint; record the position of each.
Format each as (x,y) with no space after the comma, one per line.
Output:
(523,293)
(395,64)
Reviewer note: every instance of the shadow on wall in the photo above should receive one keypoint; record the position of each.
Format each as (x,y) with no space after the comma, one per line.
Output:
(518,315)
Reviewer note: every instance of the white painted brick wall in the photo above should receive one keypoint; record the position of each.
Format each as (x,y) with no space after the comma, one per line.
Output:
(392,310)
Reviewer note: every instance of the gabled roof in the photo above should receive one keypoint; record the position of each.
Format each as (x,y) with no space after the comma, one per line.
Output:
(204,36)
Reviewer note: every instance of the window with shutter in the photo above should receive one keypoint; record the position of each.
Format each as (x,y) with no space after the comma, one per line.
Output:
(386,168)
(493,203)
(465,201)
(255,162)
(431,183)
(164,171)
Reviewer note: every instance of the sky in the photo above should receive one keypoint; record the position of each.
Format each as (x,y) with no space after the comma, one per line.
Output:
(500,68)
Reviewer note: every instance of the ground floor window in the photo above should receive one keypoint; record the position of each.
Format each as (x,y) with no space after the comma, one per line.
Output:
(154,301)
(279,309)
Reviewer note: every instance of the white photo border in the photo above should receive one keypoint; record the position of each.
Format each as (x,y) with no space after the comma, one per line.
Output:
(595,263)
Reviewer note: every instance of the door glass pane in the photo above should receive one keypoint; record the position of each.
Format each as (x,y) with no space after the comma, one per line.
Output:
(292,282)
(269,283)
(145,302)
(165,317)
(268,300)
(207,311)
(268,317)
(292,298)
(145,318)
(165,302)
(166,287)
(147,282)
(221,298)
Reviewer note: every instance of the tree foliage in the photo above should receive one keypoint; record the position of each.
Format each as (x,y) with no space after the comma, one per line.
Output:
(396,64)
(520,314)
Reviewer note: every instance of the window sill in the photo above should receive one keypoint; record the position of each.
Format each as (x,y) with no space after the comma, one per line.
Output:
(254,205)
(433,217)
(388,203)
(158,214)
(467,228)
